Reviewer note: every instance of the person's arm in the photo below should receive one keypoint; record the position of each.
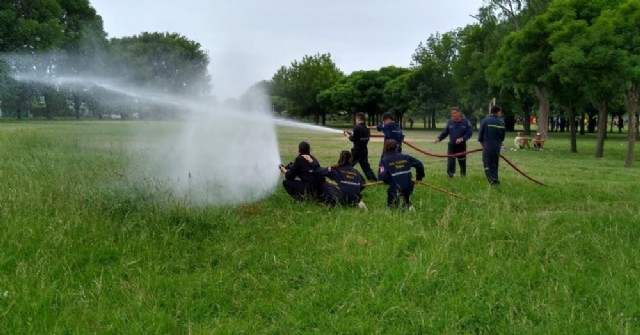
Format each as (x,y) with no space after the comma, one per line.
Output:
(356,135)
(315,164)
(481,132)
(379,127)
(383,173)
(443,134)
(418,166)
(467,134)
(295,168)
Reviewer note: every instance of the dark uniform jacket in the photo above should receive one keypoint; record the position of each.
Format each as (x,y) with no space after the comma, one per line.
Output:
(306,172)
(348,179)
(391,131)
(492,133)
(456,130)
(395,169)
(360,137)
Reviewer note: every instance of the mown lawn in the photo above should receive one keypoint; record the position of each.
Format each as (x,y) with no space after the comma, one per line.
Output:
(86,247)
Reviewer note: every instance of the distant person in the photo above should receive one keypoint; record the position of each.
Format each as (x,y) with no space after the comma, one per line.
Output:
(520,142)
(391,130)
(395,171)
(345,183)
(410,123)
(301,181)
(360,137)
(459,131)
(620,124)
(538,141)
(492,133)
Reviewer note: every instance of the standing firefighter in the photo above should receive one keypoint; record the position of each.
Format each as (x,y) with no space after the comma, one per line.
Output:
(491,136)
(459,131)
(309,183)
(391,130)
(395,171)
(360,137)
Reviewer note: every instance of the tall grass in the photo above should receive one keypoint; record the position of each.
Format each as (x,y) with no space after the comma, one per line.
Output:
(86,247)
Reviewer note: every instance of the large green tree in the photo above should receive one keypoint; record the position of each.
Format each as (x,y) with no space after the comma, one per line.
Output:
(302,82)
(363,91)
(168,62)
(45,37)
(619,29)
(432,81)
(583,55)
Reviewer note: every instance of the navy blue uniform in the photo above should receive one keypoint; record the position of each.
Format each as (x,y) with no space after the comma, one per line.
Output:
(395,171)
(491,136)
(392,131)
(455,130)
(309,183)
(345,188)
(360,152)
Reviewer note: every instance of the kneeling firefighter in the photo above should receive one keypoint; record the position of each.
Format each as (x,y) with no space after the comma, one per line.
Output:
(308,184)
(395,171)
(346,183)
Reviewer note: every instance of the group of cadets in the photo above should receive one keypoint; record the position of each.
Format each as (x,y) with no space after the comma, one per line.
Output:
(341,184)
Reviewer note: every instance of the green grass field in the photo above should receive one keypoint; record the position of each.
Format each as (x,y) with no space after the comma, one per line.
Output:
(87,249)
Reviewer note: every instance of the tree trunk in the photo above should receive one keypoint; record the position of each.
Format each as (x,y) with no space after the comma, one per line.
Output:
(637,126)
(433,119)
(425,120)
(543,113)
(18,113)
(324,118)
(48,104)
(632,98)
(526,124)
(572,128)
(602,128)
(76,105)
(581,121)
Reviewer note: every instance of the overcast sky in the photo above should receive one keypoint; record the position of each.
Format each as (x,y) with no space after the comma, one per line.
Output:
(249,40)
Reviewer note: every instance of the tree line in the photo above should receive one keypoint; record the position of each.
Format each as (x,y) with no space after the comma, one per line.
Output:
(567,59)
(549,59)
(54,39)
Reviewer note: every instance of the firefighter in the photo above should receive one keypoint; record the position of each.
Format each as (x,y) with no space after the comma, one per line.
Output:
(459,131)
(492,133)
(301,181)
(395,171)
(344,185)
(360,137)
(391,130)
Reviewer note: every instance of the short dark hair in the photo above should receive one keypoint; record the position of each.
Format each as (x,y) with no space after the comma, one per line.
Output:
(454,108)
(496,109)
(388,116)
(304,148)
(360,116)
(389,146)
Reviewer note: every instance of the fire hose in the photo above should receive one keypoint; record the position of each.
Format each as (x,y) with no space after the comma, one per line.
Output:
(426,153)
(441,190)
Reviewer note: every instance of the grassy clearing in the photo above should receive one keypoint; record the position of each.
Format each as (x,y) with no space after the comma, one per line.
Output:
(85,248)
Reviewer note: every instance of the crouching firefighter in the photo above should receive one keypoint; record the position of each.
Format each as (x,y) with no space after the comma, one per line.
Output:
(309,184)
(345,183)
(395,171)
